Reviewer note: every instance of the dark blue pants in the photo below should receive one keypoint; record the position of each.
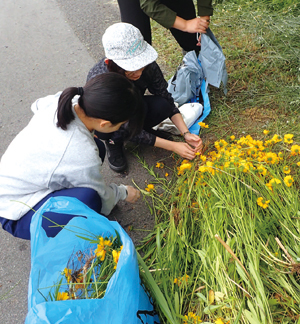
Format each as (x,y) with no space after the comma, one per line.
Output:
(21,228)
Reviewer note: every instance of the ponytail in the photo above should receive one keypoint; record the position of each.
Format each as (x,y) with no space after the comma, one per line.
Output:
(65,112)
(109,96)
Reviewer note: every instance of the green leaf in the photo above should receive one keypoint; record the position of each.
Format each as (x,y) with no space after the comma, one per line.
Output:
(156,293)
(176,299)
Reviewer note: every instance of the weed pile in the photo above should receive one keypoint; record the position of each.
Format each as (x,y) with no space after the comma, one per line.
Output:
(226,247)
(88,272)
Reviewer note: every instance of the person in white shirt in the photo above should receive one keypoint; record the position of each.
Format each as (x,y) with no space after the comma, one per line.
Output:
(56,154)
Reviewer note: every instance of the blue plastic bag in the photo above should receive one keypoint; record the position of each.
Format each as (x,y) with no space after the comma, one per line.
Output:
(195,128)
(125,300)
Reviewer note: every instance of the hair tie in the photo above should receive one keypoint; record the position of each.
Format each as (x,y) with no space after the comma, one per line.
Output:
(80,91)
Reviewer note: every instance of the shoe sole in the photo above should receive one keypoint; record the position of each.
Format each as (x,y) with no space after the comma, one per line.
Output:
(117,169)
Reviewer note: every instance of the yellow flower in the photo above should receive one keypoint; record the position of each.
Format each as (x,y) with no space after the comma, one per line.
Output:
(271,182)
(219,321)
(220,144)
(63,296)
(298,163)
(183,167)
(179,281)
(209,167)
(274,180)
(286,169)
(203,125)
(150,187)
(67,273)
(288,180)
(203,158)
(166,174)
(192,318)
(116,256)
(100,252)
(232,137)
(288,138)
(260,202)
(159,165)
(262,170)
(266,132)
(295,149)
(276,139)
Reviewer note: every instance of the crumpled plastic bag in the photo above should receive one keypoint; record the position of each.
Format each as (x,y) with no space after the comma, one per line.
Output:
(190,112)
(213,61)
(186,82)
(125,300)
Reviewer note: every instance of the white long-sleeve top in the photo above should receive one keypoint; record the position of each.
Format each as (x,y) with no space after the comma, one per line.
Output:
(44,158)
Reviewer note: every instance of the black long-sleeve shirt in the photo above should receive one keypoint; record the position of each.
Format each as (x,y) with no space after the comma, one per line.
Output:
(152,79)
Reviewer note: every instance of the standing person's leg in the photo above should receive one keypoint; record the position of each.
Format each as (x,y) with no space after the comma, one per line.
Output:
(21,227)
(186,10)
(132,13)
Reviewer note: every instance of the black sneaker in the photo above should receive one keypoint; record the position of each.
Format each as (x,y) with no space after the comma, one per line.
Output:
(116,156)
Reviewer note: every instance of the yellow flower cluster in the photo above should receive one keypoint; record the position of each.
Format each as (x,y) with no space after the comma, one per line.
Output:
(179,281)
(249,156)
(262,203)
(101,249)
(185,165)
(192,318)
(273,182)
(101,262)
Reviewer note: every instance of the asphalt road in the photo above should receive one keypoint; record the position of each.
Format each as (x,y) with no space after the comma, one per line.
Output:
(46,46)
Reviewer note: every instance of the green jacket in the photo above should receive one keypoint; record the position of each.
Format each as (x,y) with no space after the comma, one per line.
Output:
(166,17)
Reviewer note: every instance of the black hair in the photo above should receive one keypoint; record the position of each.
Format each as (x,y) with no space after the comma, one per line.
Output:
(113,67)
(109,96)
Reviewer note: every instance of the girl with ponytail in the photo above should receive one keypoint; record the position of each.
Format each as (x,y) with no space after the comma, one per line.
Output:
(56,154)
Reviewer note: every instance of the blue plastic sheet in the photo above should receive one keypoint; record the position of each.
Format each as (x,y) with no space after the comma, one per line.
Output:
(125,300)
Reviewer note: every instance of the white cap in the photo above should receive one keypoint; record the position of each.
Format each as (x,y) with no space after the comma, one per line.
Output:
(125,45)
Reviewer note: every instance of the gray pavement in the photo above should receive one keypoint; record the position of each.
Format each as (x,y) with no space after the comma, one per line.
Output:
(46,46)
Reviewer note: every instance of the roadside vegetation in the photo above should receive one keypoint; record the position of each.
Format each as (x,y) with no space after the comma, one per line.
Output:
(226,244)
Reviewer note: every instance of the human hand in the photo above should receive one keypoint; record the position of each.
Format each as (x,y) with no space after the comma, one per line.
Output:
(133,194)
(194,141)
(184,150)
(207,19)
(197,25)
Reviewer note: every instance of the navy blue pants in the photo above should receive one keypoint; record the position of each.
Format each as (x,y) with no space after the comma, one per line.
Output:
(21,227)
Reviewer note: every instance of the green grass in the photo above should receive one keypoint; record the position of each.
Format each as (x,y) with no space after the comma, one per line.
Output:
(261,42)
